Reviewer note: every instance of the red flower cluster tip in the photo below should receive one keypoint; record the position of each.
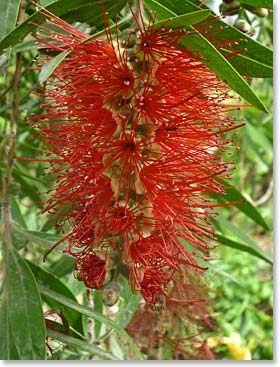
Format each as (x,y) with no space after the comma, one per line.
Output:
(136,125)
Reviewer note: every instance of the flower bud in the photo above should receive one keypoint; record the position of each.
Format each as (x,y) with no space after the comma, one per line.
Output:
(242,25)
(260,12)
(14,188)
(110,295)
(229,8)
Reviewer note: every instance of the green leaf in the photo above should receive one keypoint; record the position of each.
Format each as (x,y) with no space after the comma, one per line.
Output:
(98,307)
(16,213)
(51,65)
(244,247)
(63,266)
(222,68)
(246,244)
(64,9)
(232,195)
(130,303)
(91,313)
(80,345)
(196,42)
(248,66)
(26,187)
(46,240)
(9,12)
(49,281)
(8,349)
(24,310)
(268,4)
(250,47)
(183,20)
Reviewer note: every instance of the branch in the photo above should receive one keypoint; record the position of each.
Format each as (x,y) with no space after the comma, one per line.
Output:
(7,238)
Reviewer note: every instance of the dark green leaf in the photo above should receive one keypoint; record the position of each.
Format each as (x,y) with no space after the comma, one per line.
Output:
(251,48)
(222,68)
(62,9)
(51,65)
(26,187)
(46,240)
(244,247)
(25,314)
(183,20)
(268,4)
(49,281)
(9,13)
(196,42)
(80,345)
(248,66)
(89,14)
(233,237)
(16,213)
(234,196)
(91,313)
(63,266)
(8,349)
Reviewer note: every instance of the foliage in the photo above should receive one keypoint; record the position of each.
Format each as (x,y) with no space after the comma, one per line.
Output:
(240,276)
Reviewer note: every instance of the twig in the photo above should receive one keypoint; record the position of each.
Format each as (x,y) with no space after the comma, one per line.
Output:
(266,196)
(7,237)
(90,320)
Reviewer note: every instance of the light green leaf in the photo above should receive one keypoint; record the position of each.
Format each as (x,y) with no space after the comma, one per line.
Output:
(183,20)
(24,314)
(81,345)
(51,65)
(91,313)
(130,303)
(9,12)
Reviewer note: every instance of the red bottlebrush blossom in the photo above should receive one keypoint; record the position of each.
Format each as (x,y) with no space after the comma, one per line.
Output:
(137,124)
(178,329)
(92,270)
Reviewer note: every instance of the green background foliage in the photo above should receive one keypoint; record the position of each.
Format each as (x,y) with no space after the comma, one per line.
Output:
(240,275)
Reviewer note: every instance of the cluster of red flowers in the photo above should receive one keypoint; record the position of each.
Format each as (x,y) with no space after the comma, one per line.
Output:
(136,125)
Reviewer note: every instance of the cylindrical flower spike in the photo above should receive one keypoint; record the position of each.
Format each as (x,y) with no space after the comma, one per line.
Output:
(137,124)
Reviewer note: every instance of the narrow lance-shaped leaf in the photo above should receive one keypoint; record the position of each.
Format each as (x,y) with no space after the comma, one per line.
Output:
(91,313)
(61,8)
(244,247)
(24,318)
(268,4)
(181,21)
(234,196)
(253,54)
(80,345)
(9,13)
(196,42)
(49,281)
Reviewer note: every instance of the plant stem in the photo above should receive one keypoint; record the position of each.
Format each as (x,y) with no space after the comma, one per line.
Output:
(7,237)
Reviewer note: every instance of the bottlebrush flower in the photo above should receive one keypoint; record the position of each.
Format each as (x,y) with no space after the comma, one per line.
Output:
(137,124)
